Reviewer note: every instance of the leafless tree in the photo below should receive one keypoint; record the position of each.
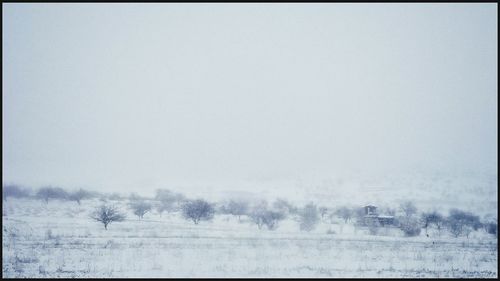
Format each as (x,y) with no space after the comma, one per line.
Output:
(344,213)
(79,195)
(168,201)
(49,192)
(409,225)
(432,218)
(236,208)
(107,214)
(284,207)
(197,210)
(115,196)
(269,218)
(140,208)
(460,222)
(12,190)
(135,197)
(408,208)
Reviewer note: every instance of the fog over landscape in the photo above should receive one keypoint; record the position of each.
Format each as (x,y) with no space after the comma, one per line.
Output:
(337,104)
(133,96)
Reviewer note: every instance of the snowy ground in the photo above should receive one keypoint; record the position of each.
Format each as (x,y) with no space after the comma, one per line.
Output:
(59,240)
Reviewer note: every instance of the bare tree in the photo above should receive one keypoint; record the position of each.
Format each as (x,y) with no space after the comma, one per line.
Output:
(197,210)
(408,208)
(460,222)
(162,206)
(269,218)
(135,197)
(140,208)
(490,224)
(257,216)
(106,215)
(272,218)
(115,196)
(344,213)
(491,228)
(309,217)
(284,207)
(236,208)
(409,225)
(168,200)
(15,191)
(79,195)
(429,219)
(49,192)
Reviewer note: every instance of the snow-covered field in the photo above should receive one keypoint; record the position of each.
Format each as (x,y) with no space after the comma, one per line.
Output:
(59,240)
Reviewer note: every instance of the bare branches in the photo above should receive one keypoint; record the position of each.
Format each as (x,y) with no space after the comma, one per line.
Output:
(107,214)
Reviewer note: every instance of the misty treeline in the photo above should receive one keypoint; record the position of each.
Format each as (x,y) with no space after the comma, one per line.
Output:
(405,216)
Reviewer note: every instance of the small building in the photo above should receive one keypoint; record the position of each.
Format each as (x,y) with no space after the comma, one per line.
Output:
(386,220)
(370,210)
(372,216)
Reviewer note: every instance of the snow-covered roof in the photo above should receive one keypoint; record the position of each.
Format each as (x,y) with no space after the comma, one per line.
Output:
(386,217)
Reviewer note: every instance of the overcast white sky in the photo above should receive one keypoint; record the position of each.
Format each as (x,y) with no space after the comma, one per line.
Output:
(123,96)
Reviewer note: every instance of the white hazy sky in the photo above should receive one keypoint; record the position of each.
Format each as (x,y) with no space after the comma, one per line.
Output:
(139,95)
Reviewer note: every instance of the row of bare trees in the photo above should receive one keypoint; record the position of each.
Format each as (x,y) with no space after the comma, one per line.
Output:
(195,210)
(261,213)
(46,193)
